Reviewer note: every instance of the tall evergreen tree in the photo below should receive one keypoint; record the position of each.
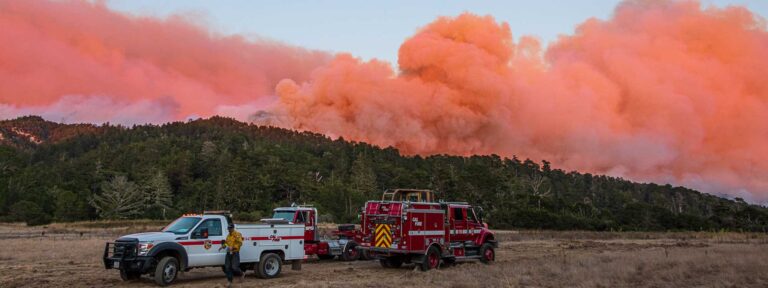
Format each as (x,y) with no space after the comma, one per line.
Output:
(120,199)
(158,194)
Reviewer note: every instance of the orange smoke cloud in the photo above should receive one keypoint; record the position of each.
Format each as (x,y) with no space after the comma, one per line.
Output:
(663,91)
(78,61)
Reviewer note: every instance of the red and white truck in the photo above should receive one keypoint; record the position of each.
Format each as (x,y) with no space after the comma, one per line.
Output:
(344,246)
(193,241)
(411,226)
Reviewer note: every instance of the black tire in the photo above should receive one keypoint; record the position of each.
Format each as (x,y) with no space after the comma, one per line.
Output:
(129,275)
(270,266)
(350,252)
(431,259)
(391,262)
(487,253)
(166,271)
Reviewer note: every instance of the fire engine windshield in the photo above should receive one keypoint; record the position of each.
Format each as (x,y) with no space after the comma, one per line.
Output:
(182,225)
(287,215)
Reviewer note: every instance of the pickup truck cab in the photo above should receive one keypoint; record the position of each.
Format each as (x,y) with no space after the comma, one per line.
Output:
(193,241)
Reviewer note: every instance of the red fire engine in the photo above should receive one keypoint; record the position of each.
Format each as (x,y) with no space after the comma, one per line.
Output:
(411,226)
(344,246)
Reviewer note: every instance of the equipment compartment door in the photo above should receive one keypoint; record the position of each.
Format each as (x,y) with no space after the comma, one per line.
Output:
(417,222)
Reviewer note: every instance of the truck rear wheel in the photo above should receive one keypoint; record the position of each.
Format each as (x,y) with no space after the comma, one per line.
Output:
(166,270)
(350,252)
(487,254)
(269,266)
(391,262)
(129,275)
(431,260)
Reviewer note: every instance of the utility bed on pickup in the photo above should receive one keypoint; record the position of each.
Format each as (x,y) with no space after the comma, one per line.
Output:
(193,241)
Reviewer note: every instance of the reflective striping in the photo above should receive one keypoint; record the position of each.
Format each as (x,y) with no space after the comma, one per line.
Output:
(426,233)
(465,231)
(276,238)
(383,236)
(194,243)
(425,211)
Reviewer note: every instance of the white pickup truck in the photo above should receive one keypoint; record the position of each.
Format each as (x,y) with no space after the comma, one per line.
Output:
(193,241)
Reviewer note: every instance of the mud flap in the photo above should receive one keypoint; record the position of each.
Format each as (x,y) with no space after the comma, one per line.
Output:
(296,265)
(418,259)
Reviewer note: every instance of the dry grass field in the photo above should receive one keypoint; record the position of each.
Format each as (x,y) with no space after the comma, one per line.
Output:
(69,255)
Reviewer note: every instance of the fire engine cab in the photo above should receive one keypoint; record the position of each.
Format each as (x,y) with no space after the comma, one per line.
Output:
(348,238)
(411,226)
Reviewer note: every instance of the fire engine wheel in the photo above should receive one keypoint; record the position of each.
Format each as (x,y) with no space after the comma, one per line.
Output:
(487,253)
(166,270)
(391,262)
(350,252)
(269,266)
(129,275)
(431,260)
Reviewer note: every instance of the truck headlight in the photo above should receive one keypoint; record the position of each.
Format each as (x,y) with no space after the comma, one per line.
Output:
(144,248)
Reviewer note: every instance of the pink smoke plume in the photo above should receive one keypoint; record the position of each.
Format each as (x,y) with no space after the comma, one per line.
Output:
(84,63)
(665,91)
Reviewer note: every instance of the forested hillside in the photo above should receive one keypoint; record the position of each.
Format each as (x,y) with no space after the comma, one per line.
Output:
(56,172)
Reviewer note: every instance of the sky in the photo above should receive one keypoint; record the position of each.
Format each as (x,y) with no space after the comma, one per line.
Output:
(651,90)
(375,29)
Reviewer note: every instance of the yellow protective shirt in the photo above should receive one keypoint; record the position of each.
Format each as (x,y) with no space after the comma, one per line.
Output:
(234,241)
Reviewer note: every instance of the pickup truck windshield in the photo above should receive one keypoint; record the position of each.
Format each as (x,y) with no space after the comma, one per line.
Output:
(287,215)
(182,225)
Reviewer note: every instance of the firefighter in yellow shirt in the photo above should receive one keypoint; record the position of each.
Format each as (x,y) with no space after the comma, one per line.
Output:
(232,260)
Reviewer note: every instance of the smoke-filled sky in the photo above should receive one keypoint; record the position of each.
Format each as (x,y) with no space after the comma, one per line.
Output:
(663,91)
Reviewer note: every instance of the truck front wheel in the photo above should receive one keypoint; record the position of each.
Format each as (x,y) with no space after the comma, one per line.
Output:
(487,254)
(129,275)
(269,266)
(166,270)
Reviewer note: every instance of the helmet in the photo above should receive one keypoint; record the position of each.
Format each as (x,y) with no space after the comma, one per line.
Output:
(231,226)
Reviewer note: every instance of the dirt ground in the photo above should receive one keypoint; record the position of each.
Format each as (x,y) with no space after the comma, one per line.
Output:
(69,255)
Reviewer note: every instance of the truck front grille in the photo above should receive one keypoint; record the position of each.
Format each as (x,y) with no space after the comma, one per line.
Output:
(122,249)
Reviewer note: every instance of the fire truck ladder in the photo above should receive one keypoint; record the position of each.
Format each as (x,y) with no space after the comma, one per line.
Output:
(412,195)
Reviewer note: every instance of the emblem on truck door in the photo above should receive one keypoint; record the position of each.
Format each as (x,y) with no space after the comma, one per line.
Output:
(383,236)
(207,244)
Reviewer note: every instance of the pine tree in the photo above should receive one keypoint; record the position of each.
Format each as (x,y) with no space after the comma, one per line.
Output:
(120,199)
(158,194)
(363,182)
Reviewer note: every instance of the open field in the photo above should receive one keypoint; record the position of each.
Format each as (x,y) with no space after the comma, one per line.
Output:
(69,255)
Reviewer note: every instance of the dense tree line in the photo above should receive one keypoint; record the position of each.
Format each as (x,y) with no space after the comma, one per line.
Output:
(149,171)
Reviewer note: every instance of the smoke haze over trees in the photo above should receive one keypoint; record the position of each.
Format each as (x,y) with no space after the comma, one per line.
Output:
(224,164)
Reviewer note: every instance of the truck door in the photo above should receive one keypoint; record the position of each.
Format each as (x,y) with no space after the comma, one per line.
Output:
(307,218)
(203,250)
(473,225)
(458,224)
